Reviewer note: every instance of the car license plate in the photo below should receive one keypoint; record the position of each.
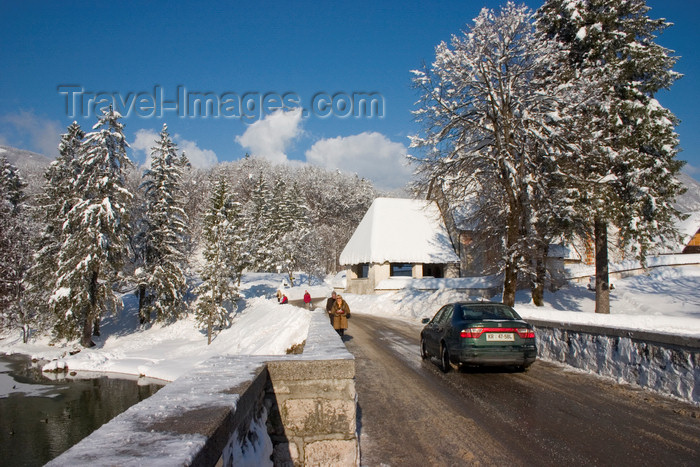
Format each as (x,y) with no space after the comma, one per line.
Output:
(500,336)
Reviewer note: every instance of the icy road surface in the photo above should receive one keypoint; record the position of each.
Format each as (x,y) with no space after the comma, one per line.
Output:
(409,413)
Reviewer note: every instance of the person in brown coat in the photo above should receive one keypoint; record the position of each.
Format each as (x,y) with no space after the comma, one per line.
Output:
(329,305)
(341,313)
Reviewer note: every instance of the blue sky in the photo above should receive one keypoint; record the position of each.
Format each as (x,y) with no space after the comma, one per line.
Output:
(53,54)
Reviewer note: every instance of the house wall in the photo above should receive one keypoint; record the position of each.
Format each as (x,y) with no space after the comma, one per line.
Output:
(379,272)
(361,286)
(452,270)
(364,286)
(478,256)
(417,271)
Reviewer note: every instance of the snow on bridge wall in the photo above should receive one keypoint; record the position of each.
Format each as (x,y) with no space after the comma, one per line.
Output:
(660,362)
(290,410)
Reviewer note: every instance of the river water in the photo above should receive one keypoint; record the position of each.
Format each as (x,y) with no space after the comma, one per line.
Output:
(41,417)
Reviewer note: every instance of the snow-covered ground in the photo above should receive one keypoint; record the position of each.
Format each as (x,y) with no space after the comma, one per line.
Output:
(260,327)
(667,300)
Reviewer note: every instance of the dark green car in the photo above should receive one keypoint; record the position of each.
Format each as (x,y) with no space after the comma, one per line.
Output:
(478,333)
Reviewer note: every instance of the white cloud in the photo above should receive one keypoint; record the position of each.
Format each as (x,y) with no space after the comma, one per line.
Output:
(145,140)
(369,155)
(199,158)
(271,136)
(26,130)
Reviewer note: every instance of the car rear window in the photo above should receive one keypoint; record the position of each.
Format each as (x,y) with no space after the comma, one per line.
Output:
(487,312)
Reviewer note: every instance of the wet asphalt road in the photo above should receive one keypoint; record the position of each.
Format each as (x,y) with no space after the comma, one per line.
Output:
(411,414)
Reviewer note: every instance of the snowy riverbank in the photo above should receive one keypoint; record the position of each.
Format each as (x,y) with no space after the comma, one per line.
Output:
(260,327)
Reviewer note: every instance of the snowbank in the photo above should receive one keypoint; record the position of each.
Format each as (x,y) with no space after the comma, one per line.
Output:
(260,327)
(189,420)
(582,270)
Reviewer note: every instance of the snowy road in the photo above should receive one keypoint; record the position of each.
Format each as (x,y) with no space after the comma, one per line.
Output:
(409,413)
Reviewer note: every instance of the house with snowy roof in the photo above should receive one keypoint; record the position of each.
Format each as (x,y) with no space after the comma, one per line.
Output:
(689,229)
(688,204)
(398,239)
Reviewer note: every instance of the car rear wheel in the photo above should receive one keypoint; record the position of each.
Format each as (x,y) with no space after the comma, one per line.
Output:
(444,359)
(423,351)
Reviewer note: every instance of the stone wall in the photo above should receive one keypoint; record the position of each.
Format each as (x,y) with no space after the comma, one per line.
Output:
(312,402)
(215,415)
(662,362)
(312,413)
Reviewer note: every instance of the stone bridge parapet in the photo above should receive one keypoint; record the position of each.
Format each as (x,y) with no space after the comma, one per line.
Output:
(292,410)
(666,363)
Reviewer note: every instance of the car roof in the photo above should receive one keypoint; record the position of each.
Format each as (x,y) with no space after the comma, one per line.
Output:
(476,303)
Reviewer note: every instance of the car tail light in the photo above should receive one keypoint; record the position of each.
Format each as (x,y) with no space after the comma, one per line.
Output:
(475,333)
(471,333)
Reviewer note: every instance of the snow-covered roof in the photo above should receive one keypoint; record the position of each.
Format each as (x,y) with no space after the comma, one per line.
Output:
(689,204)
(400,231)
(689,227)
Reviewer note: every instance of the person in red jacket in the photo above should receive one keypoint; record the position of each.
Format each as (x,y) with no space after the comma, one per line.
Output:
(307,299)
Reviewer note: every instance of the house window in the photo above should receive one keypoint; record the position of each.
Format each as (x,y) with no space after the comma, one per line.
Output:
(402,269)
(361,270)
(433,270)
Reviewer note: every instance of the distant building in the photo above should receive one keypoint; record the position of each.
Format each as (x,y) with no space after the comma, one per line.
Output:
(689,204)
(478,255)
(398,238)
(690,230)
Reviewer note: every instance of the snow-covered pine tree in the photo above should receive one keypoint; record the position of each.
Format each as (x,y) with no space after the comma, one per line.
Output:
(222,252)
(279,224)
(277,211)
(12,185)
(490,112)
(161,278)
(15,249)
(52,208)
(95,232)
(297,229)
(336,203)
(259,227)
(289,227)
(195,189)
(627,165)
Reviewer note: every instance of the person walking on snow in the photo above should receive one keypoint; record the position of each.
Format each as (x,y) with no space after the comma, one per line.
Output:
(341,313)
(307,299)
(329,305)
